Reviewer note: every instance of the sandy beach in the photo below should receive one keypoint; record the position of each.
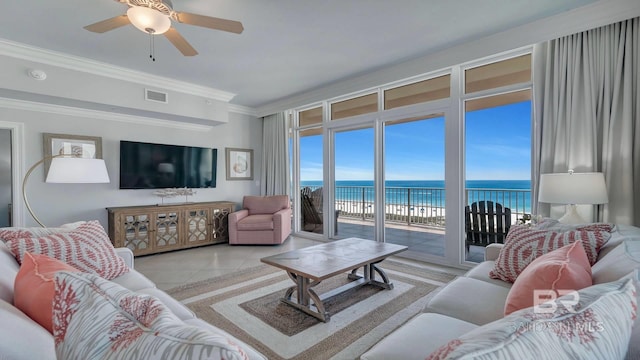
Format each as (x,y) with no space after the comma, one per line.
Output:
(420,214)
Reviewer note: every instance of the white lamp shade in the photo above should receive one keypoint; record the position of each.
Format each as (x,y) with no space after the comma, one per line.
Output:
(70,170)
(146,19)
(573,188)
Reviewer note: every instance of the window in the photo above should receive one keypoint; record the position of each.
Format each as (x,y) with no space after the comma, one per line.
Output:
(422,91)
(402,149)
(356,106)
(501,73)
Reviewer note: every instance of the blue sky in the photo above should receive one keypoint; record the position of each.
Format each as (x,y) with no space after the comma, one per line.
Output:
(498,147)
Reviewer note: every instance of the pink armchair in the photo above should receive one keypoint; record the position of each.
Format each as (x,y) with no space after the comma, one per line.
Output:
(262,220)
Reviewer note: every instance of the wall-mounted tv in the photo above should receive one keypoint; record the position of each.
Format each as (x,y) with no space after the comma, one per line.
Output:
(159,166)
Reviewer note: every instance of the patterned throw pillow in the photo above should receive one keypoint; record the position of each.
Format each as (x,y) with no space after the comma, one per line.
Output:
(13,233)
(97,319)
(523,245)
(87,248)
(594,323)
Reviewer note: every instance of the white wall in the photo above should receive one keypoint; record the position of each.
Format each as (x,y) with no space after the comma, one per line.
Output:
(56,204)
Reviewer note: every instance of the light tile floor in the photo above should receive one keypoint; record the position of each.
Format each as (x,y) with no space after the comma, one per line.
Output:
(168,270)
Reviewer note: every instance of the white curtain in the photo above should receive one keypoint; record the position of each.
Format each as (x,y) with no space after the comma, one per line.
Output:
(587,113)
(275,155)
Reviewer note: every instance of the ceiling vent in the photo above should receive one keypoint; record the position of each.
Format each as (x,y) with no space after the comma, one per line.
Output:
(156,96)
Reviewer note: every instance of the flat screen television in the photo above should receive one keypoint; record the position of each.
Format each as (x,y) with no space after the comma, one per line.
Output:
(159,166)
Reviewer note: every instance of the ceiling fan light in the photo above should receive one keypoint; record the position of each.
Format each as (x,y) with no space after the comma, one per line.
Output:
(149,20)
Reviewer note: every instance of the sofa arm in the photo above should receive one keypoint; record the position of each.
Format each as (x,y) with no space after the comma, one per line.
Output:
(232,220)
(126,254)
(282,225)
(238,215)
(491,252)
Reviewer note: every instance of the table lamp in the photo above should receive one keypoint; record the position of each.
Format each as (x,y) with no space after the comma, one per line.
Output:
(68,169)
(573,189)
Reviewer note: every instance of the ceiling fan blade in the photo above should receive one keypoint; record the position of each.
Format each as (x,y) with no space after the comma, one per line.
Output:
(180,43)
(210,22)
(109,24)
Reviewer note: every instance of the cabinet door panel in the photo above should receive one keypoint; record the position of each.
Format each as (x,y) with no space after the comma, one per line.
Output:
(219,224)
(137,235)
(167,230)
(198,227)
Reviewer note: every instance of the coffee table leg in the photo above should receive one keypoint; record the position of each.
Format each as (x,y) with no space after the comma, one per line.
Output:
(369,271)
(304,296)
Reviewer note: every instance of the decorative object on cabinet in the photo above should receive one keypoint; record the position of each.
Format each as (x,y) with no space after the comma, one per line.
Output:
(169,193)
(239,163)
(152,229)
(67,169)
(88,147)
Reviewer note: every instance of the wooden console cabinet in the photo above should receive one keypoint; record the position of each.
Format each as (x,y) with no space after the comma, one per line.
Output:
(157,228)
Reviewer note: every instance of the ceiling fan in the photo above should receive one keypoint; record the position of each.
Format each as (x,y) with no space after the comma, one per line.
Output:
(154,18)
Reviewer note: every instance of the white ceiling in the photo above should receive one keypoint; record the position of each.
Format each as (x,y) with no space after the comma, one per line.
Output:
(287,47)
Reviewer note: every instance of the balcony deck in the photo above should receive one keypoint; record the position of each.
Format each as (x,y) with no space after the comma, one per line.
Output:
(414,216)
(420,240)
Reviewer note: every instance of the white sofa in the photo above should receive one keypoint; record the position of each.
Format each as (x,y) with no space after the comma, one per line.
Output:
(475,299)
(23,338)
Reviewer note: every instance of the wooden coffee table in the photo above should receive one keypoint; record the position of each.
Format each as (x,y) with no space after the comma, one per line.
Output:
(309,266)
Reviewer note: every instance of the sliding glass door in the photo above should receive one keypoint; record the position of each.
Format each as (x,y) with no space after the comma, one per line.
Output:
(355,209)
(415,184)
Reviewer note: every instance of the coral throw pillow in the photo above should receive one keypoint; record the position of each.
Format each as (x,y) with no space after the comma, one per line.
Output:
(523,245)
(551,275)
(87,248)
(34,288)
(98,319)
(593,324)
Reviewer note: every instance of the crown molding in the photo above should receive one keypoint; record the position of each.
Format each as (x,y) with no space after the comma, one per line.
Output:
(238,109)
(97,114)
(49,57)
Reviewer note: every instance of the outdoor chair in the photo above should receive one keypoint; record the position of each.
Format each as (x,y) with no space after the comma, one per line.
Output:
(486,223)
(312,218)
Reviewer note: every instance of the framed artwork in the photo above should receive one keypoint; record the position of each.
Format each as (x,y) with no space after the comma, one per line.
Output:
(239,164)
(81,146)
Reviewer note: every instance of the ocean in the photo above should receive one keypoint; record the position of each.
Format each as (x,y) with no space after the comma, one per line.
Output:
(515,194)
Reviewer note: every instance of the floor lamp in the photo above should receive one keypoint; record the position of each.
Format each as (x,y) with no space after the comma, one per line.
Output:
(68,169)
(571,189)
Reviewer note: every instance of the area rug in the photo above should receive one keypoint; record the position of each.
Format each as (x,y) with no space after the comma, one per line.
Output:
(247,305)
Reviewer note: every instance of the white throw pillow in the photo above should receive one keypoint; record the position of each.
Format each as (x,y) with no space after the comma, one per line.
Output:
(553,224)
(619,262)
(594,324)
(98,319)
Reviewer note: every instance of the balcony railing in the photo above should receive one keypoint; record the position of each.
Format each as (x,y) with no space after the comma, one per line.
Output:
(422,206)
